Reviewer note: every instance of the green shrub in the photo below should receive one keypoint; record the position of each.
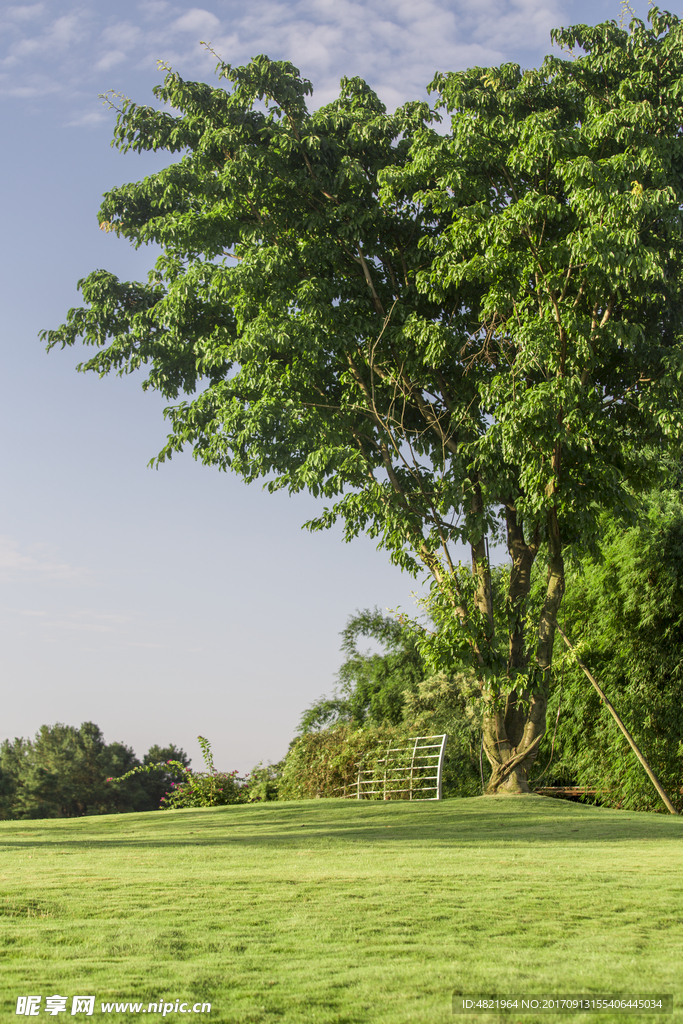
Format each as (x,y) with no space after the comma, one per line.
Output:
(204,789)
(443,704)
(327,763)
(263,782)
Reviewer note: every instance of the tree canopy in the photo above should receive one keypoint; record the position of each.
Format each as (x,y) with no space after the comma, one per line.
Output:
(449,335)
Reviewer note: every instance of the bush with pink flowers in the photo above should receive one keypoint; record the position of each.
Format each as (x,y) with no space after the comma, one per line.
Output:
(209,788)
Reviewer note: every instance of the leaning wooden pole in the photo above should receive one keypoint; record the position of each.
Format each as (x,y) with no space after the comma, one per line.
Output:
(655,781)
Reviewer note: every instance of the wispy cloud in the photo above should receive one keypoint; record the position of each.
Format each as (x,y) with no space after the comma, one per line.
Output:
(82,627)
(35,562)
(85,618)
(28,12)
(123,34)
(87,119)
(62,34)
(79,49)
(110,59)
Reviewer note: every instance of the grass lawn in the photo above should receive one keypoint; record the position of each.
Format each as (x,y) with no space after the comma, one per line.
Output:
(340,912)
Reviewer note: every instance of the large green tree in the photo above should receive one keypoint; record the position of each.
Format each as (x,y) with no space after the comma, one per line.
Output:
(445,334)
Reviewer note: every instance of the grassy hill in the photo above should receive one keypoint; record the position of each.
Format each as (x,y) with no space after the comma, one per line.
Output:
(340,912)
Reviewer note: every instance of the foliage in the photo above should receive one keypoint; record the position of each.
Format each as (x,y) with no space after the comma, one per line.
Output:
(62,773)
(263,782)
(158,782)
(371,685)
(625,612)
(203,789)
(342,911)
(196,789)
(393,691)
(325,763)
(153,767)
(565,186)
(441,704)
(210,788)
(429,330)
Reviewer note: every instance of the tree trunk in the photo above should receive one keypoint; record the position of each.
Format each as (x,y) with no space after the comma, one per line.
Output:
(513,733)
(481,570)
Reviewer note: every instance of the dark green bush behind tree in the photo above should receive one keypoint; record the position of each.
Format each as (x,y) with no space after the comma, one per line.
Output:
(157,784)
(625,612)
(325,763)
(443,704)
(209,788)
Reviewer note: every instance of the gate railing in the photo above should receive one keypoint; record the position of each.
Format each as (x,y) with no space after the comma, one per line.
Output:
(404,773)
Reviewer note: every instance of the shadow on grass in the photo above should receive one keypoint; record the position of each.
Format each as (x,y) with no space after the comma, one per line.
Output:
(453,823)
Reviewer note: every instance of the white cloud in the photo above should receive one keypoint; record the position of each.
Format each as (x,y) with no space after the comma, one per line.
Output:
(109,618)
(522,24)
(30,91)
(123,35)
(87,119)
(110,60)
(153,8)
(67,30)
(196,21)
(24,13)
(62,35)
(69,625)
(396,45)
(35,562)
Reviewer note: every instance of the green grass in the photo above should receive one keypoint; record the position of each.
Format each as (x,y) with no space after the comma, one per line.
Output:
(341,912)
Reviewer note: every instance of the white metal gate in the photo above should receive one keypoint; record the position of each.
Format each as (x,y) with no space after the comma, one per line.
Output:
(404,773)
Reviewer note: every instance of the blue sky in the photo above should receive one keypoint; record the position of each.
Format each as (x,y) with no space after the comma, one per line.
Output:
(166,604)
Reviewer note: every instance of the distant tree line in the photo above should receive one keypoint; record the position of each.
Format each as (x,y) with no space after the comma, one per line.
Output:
(63,772)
